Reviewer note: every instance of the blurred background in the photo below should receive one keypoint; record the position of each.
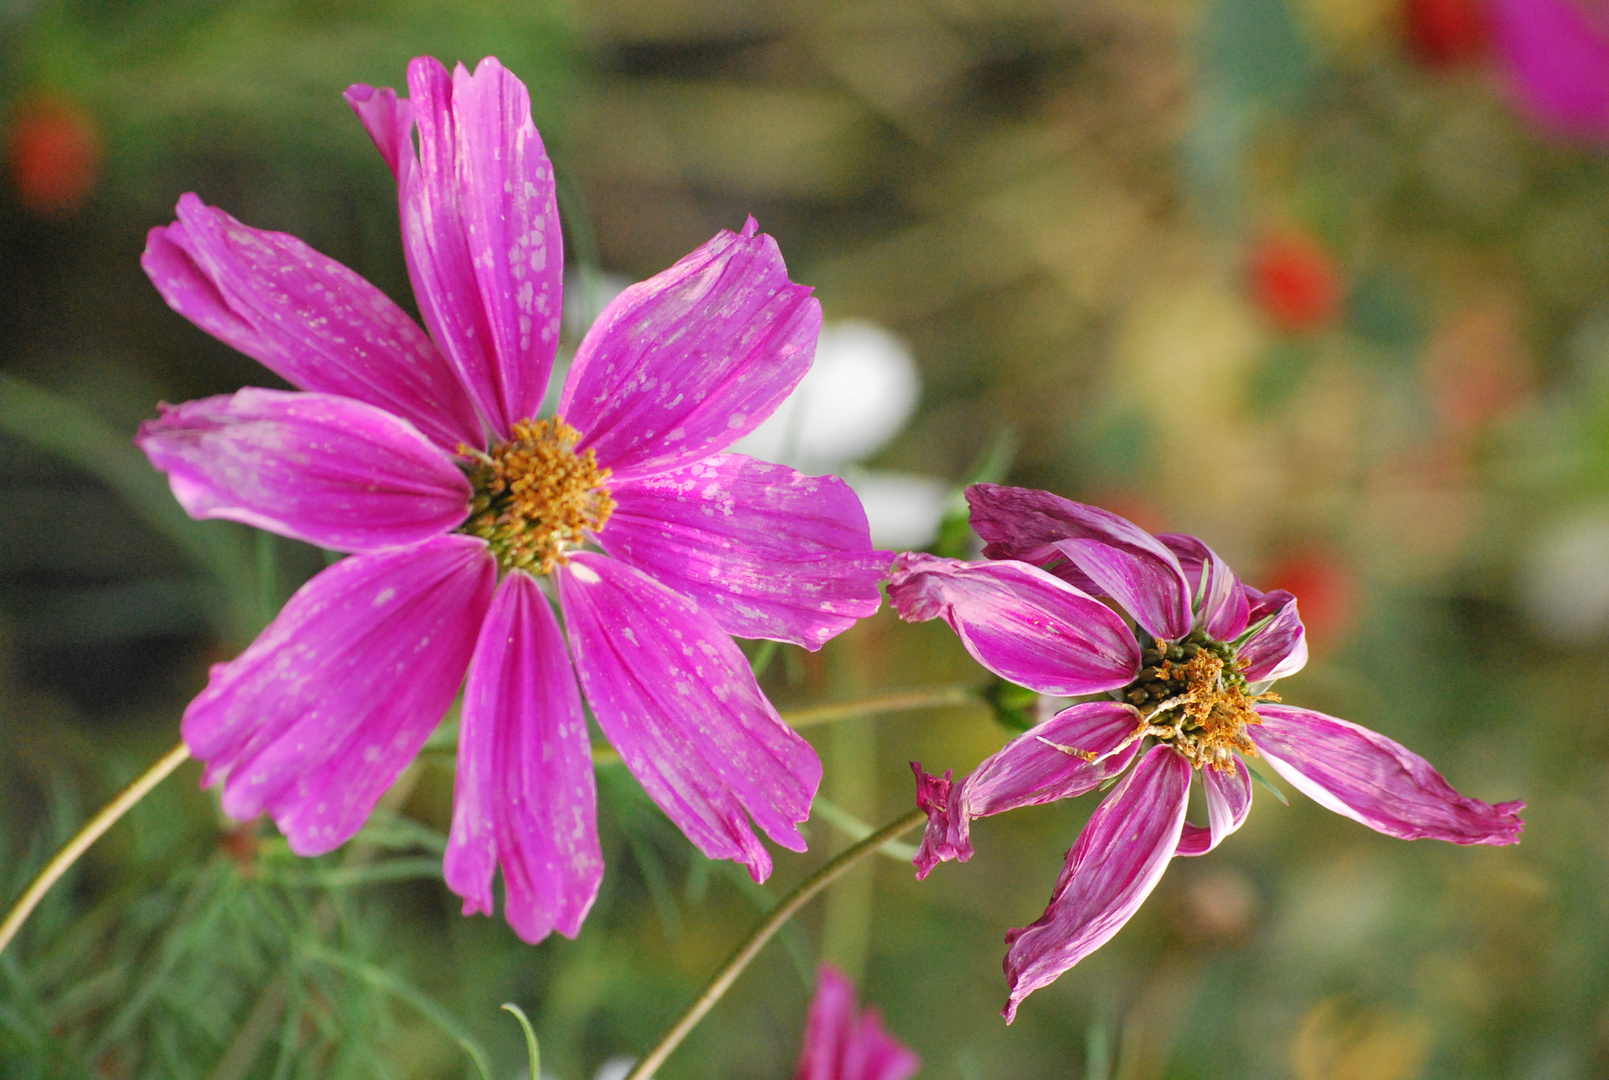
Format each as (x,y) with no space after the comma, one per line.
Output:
(1323,281)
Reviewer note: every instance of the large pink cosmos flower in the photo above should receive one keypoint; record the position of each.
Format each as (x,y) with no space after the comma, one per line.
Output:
(1192,677)
(843,1043)
(1557,56)
(419,453)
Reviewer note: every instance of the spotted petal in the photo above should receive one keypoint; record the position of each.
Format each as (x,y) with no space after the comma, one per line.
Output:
(765,551)
(306,318)
(1019,622)
(315,720)
(316,467)
(683,365)
(1369,778)
(1117,861)
(480,227)
(525,795)
(679,702)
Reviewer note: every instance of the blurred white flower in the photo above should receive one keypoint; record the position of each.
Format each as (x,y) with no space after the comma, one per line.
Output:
(615,1068)
(1564,578)
(857,396)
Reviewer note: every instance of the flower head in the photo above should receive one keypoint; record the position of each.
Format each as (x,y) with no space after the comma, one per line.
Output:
(467,515)
(843,1043)
(1185,693)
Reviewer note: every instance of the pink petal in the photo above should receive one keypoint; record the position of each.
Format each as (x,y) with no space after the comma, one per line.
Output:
(525,795)
(306,318)
(389,121)
(1557,53)
(1020,622)
(480,226)
(1041,765)
(677,698)
(1222,609)
(315,720)
(316,467)
(843,1043)
(1119,858)
(765,551)
(1120,559)
(1228,803)
(684,364)
(1369,778)
(1278,649)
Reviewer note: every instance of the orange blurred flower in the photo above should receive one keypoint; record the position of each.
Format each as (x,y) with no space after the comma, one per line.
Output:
(1446,33)
(54,151)
(1325,588)
(1295,281)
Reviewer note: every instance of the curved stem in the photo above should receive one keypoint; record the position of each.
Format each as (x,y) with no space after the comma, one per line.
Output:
(729,971)
(91,832)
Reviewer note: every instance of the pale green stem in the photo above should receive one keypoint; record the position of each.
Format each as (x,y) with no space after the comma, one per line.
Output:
(785,909)
(91,832)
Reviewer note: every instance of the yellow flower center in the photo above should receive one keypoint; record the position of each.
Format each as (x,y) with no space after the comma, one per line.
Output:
(535,498)
(1194,698)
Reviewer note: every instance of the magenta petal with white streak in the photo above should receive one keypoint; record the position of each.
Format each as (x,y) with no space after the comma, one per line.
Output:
(480,226)
(1041,765)
(1020,622)
(1279,649)
(315,720)
(305,317)
(1228,803)
(677,699)
(1223,608)
(1149,588)
(683,365)
(765,551)
(1117,861)
(525,794)
(843,1043)
(1367,777)
(316,467)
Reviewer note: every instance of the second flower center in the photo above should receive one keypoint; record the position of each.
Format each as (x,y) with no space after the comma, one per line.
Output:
(535,498)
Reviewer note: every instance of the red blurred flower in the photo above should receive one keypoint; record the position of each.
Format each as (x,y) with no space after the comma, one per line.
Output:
(1445,33)
(54,151)
(1295,281)
(1326,588)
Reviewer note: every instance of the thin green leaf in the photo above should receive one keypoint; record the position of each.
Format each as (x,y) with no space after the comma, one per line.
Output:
(1257,775)
(531,1046)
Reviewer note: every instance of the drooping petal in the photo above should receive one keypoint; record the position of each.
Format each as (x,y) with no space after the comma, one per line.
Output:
(1228,803)
(1122,560)
(683,365)
(843,1043)
(1279,649)
(1073,752)
(1222,608)
(525,794)
(679,702)
(316,467)
(1019,622)
(1119,858)
(1367,777)
(480,227)
(306,318)
(763,550)
(315,720)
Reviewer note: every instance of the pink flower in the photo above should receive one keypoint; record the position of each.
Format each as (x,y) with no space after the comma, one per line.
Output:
(1192,677)
(1557,55)
(842,1043)
(419,453)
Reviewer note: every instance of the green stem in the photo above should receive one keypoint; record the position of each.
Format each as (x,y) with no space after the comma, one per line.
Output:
(729,971)
(80,843)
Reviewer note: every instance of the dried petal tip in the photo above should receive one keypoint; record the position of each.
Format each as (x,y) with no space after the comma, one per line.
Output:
(933,797)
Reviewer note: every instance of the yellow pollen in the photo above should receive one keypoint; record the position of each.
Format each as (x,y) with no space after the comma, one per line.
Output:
(535,499)
(1206,722)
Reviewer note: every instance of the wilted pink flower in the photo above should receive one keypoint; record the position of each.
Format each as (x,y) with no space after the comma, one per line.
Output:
(1192,677)
(1557,55)
(843,1043)
(467,516)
